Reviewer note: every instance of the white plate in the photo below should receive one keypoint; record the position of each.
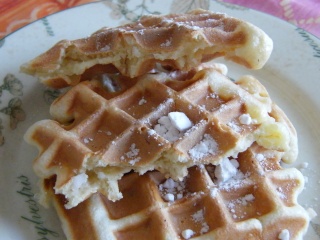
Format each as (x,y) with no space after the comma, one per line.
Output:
(291,76)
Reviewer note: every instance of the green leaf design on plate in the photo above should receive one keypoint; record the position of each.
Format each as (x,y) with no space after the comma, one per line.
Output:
(120,9)
(47,26)
(1,136)
(312,43)
(14,111)
(12,84)
(14,107)
(178,6)
(2,42)
(231,6)
(50,95)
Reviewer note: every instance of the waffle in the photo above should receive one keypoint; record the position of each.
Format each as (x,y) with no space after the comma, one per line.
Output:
(106,127)
(180,41)
(259,202)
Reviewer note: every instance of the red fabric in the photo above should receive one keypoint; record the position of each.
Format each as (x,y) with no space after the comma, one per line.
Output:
(302,13)
(17,13)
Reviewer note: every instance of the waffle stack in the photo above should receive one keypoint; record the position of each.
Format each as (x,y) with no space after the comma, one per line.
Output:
(177,152)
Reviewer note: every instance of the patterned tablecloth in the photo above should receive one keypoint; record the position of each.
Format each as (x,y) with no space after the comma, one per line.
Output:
(14,14)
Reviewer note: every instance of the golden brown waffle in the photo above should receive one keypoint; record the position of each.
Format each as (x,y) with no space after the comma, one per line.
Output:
(106,128)
(181,41)
(259,202)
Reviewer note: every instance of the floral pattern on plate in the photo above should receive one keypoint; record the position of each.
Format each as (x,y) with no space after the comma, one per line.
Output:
(14,104)
(13,110)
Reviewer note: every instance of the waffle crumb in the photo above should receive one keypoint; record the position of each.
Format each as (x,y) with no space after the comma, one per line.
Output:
(79,180)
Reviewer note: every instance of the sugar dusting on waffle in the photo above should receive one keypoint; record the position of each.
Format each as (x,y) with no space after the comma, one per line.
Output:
(182,41)
(202,205)
(153,140)
(113,134)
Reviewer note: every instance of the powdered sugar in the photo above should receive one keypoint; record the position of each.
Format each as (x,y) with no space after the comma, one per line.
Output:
(151,132)
(281,193)
(169,197)
(142,101)
(132,154)
(188,233)
(172,190)
(173,126)
(284,235)
(260,157)
(243,201)
(212,95)
(234,126)
(245,119)
(167,43)
(87,140)
(238,181)
(198,217)
(180,121)
(225,170)
(207,146)
(227,175)
(213,192)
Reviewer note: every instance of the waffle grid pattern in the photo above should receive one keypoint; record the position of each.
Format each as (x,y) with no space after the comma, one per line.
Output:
(222,212)
(134,50)
(102,137)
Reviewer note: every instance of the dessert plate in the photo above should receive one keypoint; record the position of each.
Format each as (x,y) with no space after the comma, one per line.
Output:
(291,77)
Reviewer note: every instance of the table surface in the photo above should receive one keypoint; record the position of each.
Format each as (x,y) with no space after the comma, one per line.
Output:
(15,14)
